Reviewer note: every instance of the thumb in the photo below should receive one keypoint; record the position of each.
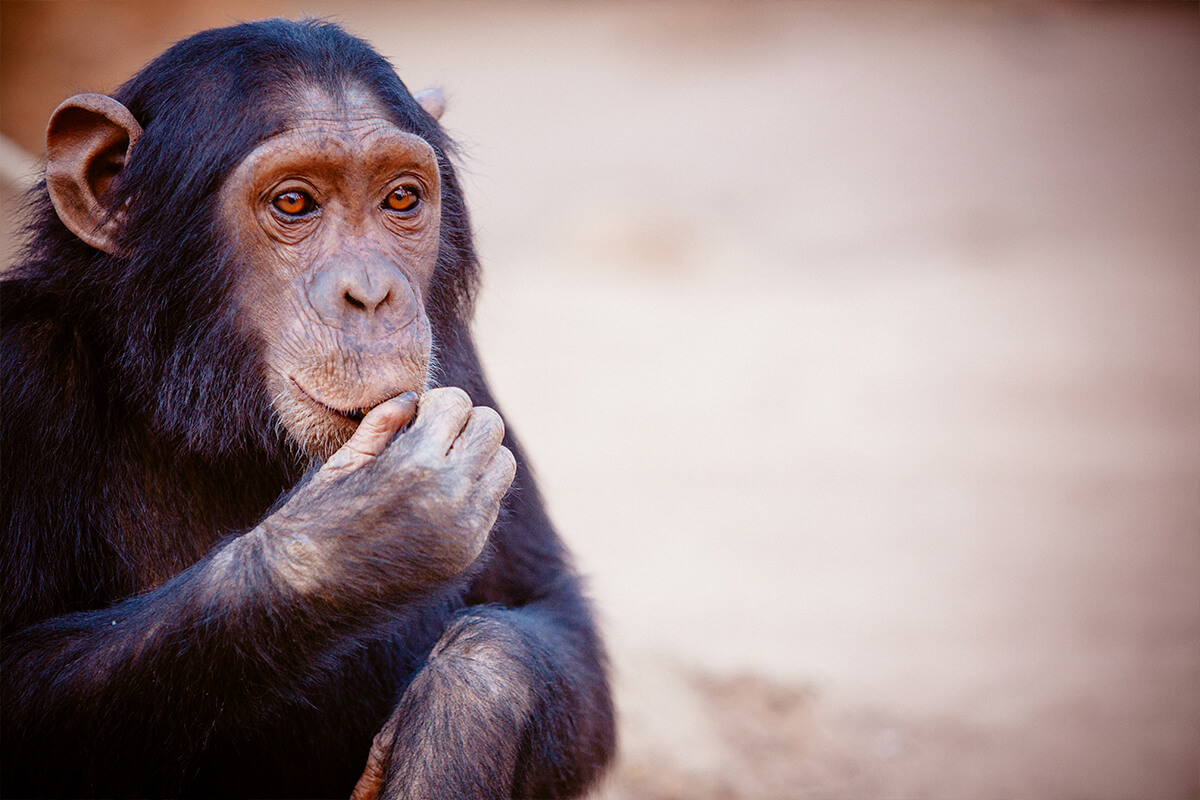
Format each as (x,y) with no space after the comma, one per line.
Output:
(374,432)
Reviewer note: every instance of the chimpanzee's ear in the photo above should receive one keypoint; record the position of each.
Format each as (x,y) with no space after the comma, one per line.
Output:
(87,141)
(433,101)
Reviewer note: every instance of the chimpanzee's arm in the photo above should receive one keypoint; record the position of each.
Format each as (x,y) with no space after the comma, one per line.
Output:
(139,689)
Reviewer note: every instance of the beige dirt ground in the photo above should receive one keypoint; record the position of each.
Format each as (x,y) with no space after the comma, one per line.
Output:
(858,348)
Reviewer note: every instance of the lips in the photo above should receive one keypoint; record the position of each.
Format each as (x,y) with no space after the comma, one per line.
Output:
(354,414)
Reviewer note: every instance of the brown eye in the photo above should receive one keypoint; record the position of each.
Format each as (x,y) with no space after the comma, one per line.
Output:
(294,203)
(403,199)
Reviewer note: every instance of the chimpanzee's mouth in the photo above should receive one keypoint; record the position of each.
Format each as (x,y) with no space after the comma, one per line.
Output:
(355,415)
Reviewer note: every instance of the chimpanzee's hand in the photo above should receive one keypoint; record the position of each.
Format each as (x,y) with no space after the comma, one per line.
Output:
(391,513)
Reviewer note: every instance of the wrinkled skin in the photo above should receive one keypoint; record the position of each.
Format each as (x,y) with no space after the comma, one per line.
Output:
(339,288)
(420,506)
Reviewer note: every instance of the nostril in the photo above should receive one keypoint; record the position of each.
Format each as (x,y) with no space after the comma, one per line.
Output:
(354,301)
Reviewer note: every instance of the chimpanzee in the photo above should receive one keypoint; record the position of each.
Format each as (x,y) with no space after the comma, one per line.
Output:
(259,531)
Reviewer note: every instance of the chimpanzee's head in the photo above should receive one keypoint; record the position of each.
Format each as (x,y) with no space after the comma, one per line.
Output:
(277,222)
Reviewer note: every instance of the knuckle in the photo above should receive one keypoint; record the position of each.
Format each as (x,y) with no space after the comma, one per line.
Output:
(489,418)
(450,397)
(508,463)
(488,415)
(487,425)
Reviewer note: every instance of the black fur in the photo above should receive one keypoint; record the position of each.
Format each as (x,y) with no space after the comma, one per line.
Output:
(138,444)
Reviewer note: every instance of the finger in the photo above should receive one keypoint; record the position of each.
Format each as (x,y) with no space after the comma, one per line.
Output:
(374,432)
(371,781)
(441,416)
(495,482)
(499,474)
(480,437)
(382,423)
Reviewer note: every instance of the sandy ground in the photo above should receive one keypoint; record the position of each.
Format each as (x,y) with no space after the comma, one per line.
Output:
(858,350)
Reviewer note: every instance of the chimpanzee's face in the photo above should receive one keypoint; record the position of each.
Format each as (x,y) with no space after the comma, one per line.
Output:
(337,220)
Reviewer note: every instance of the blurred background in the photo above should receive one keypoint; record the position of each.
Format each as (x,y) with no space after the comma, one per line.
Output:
(857,346)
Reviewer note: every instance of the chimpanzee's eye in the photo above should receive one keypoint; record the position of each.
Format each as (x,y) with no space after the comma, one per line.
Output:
(404,198)
(294,203)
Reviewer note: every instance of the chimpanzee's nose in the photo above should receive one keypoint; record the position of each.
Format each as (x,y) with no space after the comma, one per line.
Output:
(359,288)
(366,294)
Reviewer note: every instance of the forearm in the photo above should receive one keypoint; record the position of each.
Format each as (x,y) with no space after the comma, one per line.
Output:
(216,646)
